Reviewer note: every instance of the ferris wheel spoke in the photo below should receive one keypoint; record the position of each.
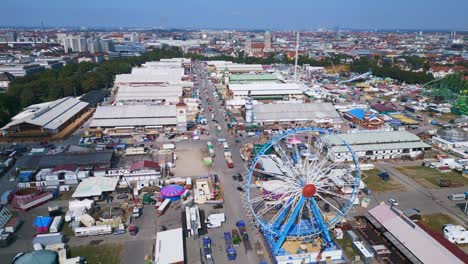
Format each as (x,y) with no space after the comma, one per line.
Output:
(289,181)
(331,205)
(256,200)
(293,213)
(325,219)
(300,218)
(280,212)
(285,157)
(321,190)
(316,170)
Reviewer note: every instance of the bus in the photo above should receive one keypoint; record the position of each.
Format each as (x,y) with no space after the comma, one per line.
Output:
(162,209)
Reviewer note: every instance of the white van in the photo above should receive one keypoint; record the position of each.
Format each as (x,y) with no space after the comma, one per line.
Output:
(168,146)
(457,196)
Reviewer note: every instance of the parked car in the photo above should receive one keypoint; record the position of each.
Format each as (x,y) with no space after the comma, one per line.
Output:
(240,189)
(119,232)
(217,206)
(122,196)
(393,202)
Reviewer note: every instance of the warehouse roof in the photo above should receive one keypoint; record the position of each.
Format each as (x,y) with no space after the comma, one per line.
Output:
(153,92)
(135,111)
(252,77)
(95,186)
(409,238)
(169,247)
(133,122)
(381,146)
(372,137)
(257,89)
(146,75)
(95,96)
(51,115)
(266,86)
(295,112)
(233,67)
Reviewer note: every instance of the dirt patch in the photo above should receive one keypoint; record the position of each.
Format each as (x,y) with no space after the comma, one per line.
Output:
(189,162)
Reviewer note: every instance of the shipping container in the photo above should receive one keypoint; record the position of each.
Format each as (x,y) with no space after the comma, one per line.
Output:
(93,230)
(162,209)
(56,224)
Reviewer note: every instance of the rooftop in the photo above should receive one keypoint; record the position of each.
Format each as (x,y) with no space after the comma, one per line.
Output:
(49,115)
(295,112)
(409,237)
(252,77)
(95,186)
(371,137)
(79,159)
(169,247)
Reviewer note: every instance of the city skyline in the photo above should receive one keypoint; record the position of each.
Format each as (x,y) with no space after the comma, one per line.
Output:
(203,14)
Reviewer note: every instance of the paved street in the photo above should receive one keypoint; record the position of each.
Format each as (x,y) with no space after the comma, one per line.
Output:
(416,196)
(232,199)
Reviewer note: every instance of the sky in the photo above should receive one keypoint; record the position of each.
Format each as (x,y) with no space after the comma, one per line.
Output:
(239,14)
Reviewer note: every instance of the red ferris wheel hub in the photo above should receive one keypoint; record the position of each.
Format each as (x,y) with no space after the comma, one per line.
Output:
(309,190)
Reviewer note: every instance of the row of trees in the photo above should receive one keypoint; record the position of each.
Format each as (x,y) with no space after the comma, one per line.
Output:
(365,64)
(73,79)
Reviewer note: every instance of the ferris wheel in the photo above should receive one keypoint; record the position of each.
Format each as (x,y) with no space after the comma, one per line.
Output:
(294,192)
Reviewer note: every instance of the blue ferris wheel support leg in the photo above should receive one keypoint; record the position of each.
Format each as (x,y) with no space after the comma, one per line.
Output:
(288,225)
(322,226)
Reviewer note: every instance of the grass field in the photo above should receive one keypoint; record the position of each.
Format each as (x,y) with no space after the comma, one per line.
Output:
(429,177)
(437,220)
(347,247)
(96,254)
(376,184)
(448,116)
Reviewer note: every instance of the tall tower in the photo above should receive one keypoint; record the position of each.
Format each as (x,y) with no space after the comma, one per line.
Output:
(248,45)
(267,40)
(249,113)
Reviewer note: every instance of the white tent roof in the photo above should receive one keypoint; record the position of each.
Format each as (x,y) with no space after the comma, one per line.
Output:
(95,186)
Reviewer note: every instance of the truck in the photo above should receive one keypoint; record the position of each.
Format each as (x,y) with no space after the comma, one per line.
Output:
(443,183)
(162,209)
(229,162)
(168,146)
(243,233)
(457,196)
(230,251)
(456,234)
(211,152)
(207,250)
(215,220)
(147,199)
(209,144)
(384,175)
(136,211)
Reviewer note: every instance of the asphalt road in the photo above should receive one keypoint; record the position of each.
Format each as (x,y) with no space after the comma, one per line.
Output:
(233,206)
(416,196)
